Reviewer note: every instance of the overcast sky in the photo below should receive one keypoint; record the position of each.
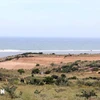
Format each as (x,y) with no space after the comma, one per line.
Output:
(50,18)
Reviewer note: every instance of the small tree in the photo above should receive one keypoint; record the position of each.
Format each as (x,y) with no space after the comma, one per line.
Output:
(21,71)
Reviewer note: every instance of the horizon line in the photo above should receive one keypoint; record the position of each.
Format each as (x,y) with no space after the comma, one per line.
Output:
(43,37)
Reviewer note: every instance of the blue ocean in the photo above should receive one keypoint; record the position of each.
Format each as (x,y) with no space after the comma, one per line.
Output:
(10,46)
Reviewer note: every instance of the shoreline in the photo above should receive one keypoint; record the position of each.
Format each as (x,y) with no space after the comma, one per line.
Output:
(50,50)
(5,53)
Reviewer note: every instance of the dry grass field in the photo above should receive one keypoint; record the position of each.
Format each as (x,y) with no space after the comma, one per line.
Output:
(45,61)
(30,91)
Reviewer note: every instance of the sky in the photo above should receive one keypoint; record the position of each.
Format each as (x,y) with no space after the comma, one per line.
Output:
(50,18)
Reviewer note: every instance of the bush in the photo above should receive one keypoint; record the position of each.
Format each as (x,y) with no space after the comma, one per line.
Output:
(52,64)
(53,53)
(69,68)
(96,83)
(41,83)
(11,90)
(22,80)
(80,82)
(66,69)
(86,83)
(54,76)
(48,72)
(40,52)
(48,80)
(74,77)
(35,81)
(32,75)
(57,69)
(87,94)
(21,71)
(14,80)
(37,91)
(37,64)
(63,75)
(95,69)
(61,81)
(74,69)
(94,78)
(35,71)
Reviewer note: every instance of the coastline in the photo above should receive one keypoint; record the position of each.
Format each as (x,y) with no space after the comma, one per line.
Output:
(10,52)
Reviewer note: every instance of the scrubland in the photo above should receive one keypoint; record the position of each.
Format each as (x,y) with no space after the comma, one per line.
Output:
(51,77)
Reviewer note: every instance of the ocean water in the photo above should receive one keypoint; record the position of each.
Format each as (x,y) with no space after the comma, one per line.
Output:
(10,46)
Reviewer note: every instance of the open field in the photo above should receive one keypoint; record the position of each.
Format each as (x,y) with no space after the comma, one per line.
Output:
(44,61)
(49,92)
(51,77)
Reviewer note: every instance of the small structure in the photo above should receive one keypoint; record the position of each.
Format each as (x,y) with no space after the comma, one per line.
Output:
(2,91)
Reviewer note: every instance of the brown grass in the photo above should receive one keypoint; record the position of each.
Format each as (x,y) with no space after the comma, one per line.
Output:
(44,61)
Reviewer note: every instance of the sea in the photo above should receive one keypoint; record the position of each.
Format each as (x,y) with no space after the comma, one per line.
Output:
(11,45)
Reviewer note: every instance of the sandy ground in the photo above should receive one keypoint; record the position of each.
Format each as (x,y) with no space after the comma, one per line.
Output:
(44,61)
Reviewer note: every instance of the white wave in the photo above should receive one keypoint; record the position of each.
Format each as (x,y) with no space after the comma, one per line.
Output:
(11,50)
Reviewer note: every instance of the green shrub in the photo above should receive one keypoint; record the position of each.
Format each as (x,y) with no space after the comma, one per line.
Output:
(21,71)
(11,90)
(87,94)
(22,80)
(37,64)
(69,68)
(40,53)
(74,77)
(13,80)
(63,75)
(52,64)
(35,71)
(37,91)
(41,83)
(48,80)
(80,82)
(35,81)
(62,81)
(48,72)
(86,83)
(96,83)
(57,69)
(54,76)
(66,69)
(95,69)
(94,78)
(74,69)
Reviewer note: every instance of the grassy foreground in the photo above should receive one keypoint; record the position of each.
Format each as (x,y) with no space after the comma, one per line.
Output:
(49,92)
